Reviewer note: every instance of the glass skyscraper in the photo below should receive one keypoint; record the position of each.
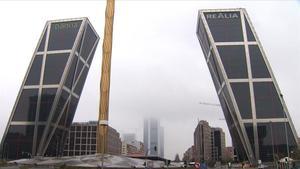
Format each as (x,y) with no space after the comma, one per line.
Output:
(256,114)
(50,92)
(153,138)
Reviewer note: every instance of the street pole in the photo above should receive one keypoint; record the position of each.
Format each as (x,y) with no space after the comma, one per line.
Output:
(105,78)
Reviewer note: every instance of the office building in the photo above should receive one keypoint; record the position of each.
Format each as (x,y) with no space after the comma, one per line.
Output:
(202,142)
(189,154)
(253,105)
(229,154)
(82,140)
(153,138)
(51,89)
(218,144)
(131,146)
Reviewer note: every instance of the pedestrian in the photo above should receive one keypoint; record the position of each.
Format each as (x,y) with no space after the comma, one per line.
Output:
(229,165)
(203,165)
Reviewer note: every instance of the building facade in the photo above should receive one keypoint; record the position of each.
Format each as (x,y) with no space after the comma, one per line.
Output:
(229,154)
(81,140)
(202,142)
(153,138)
(189,154)
(131,146)
(129,137)
(50,92)
(256,114)
(218,144)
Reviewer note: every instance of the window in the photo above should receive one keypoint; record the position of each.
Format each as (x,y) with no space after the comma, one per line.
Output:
(48,95)
(215,71)
(78,69)
(88,42)
(34,75)
(42,44)
(54,68)
(234,61)
(92,56)
(26,106)
(250,35)
(258,65)
(40,134)
(80,83)
(71,73)
(60,105)
(203,38)
(272,136)
(250,134)
(78,128)
(72,109)
(241,93)
(267,102)
(63,35)
(225,26)
(19,139)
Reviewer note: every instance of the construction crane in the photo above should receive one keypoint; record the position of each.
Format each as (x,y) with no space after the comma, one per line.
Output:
(105,79)
(210,104)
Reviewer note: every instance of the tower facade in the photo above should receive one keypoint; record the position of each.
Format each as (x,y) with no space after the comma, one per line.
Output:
(50,92)
(203,142)
(218,144)
(256,114)
(153,138)
(82,136)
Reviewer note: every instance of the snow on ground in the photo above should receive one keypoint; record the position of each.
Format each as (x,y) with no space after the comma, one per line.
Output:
(95,160)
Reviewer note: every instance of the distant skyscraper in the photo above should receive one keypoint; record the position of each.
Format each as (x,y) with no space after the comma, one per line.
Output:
(256,114)
(153,138)
(50,92)
(202,142)
(161,142)
(218,144)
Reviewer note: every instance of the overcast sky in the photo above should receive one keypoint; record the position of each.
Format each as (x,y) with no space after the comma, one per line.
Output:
(158,68)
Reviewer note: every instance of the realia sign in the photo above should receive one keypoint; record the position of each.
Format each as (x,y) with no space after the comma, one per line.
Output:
(222,15)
